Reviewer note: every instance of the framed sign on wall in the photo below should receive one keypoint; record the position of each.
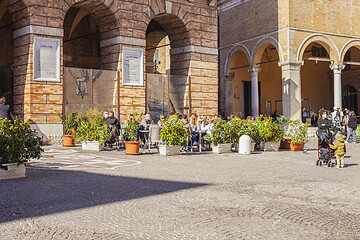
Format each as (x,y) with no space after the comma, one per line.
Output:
(133,66)
(46,59)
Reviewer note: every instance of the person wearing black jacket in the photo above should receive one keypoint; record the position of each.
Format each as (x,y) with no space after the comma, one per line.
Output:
(351,127)
(5,112)
(112,122)
(324,124)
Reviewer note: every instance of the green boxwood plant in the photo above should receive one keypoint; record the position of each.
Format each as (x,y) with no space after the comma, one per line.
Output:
(18,142)
(267,130)
(70,121)
(221,133)
(132,128)
(297,131)
(174,133)
(92,128)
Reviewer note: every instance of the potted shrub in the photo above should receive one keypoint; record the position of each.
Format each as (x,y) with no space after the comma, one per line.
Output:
(284,121)
(269,134)
(92,132)
(221,137)
(70,123)
(298,132)
(240,127)
(173,135)
(131,134)
(18,144)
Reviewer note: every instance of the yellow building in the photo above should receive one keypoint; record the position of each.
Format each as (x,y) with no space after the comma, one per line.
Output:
(281,55)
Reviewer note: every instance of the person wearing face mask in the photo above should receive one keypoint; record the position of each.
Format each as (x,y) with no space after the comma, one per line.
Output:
(106,114)
(323,123)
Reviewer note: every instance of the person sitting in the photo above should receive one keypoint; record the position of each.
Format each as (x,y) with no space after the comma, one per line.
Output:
(5,112)
(161,122)
(113,127)
(188,130)
(193,122)
(145,123)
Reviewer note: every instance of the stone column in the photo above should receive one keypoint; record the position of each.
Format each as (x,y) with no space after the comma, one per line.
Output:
(291,89)
(337,84)
(255,91)
(228,95)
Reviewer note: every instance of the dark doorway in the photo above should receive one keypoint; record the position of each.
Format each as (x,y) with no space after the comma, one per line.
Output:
(247,103)
(350,98)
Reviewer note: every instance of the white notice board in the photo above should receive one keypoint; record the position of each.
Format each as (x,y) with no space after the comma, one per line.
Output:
(133,66)
(46,59)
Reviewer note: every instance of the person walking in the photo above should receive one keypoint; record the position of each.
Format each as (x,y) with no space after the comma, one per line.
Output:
(351,127)
(5,112)
(340,151)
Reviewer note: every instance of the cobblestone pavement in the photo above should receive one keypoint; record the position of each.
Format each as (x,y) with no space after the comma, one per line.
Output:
(70,194)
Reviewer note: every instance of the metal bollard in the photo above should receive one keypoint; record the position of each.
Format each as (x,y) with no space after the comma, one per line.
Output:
(245,144)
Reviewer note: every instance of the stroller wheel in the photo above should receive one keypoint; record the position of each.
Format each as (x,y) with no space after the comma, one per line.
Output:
(320,163)
(332,165)
(317,163)
(329,164)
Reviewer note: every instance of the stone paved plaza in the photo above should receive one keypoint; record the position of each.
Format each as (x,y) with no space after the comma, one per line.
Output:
(70,194)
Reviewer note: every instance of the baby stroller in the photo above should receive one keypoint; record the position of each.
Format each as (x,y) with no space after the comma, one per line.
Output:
(324,150)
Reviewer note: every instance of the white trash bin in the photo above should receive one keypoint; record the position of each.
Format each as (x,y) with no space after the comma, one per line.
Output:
(245,144)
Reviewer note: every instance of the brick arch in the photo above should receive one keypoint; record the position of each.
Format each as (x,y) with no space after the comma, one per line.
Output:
(104,12)
(260,47)
(18,11)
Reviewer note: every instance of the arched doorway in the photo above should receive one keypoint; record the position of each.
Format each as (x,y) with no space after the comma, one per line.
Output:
(167,66)
(6,54)
(266,68)
(91,58)
(316,77)
(239,89)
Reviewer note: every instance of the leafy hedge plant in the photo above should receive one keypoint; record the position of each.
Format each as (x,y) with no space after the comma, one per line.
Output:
(18,142)
(92,128)
(297,131)
(222,132)
(132,128)
(267,131)
(174,133)
(239,127)
(70,121)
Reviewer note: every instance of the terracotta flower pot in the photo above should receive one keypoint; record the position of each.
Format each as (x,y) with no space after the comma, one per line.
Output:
(297,146)
(285,144)
(68,141)
(132,148)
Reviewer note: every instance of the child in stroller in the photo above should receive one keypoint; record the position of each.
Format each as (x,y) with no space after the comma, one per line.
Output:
(324,151)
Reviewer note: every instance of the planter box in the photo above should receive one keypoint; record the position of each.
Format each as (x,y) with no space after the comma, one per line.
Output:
(68,141)
(169,150)
(269,147)
(285,144)
(132,148)
(297,146)
(222,148)
(14,171)
(91,146)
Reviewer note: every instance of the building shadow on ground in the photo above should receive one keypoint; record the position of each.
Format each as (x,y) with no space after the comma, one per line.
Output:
(48,191)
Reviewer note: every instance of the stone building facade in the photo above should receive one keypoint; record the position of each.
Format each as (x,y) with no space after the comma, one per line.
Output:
(281,55)
(92,34)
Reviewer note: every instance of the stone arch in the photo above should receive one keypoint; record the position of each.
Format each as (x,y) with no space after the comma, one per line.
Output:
(347,46)
(261,45)
(103,11)
(240,47)
(107,28)
(18,11)
(324,41)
